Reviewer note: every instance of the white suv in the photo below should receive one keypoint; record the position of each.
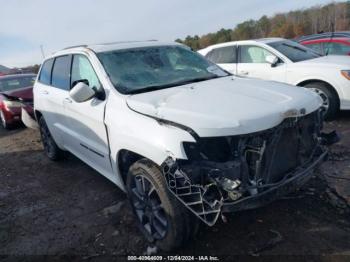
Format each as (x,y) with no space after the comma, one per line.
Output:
(287,61)
(186,140)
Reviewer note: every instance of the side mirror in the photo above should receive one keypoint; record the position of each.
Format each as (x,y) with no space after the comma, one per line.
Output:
(272,60)
(81,92)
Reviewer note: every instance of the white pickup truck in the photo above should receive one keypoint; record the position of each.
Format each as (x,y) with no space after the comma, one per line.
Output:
(286,61)
(186,140)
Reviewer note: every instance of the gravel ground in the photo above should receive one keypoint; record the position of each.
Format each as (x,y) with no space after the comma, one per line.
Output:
(65,210)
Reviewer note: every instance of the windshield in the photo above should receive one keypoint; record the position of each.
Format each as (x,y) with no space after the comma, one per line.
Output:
(294,51)
(12,83)
(152,68)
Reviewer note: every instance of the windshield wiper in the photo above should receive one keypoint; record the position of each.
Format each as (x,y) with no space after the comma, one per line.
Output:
(179,83)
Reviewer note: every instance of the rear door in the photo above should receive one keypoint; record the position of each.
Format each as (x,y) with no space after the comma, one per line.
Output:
(252,63)
(50,90)
(86,131)
(225,57)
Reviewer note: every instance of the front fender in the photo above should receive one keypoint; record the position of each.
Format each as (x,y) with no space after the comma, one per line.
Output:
(145,136)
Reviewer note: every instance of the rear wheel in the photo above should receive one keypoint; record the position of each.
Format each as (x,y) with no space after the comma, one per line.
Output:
(162,219)
(329,98)
(52,150)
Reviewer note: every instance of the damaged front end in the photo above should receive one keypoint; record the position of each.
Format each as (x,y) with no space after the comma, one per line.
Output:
(227,174)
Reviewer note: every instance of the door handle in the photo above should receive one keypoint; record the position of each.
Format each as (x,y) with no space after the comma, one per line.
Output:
(44,92)
(244,73)
(68,100)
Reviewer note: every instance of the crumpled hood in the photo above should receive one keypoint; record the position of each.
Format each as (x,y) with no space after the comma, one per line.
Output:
(226,106)
(25,94)
(334,61)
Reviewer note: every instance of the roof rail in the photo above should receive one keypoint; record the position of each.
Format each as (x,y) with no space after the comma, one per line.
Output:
(74,46)
(130,41)
(111,43)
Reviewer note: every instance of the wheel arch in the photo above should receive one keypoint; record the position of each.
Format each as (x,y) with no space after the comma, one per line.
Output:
(125,159)
(309,81)
(37,114)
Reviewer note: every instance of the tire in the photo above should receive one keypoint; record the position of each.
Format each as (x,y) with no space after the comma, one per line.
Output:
(52,151)
(329,97)
(162,219)
(4,124)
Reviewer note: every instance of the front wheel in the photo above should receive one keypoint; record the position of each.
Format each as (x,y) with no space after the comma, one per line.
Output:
(329,98)
(162,219)
(52,150)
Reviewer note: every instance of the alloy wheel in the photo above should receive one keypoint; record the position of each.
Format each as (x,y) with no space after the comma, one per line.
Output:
(323,95)
(148,207)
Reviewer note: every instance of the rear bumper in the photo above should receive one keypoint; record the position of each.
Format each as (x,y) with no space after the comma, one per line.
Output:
(296,180)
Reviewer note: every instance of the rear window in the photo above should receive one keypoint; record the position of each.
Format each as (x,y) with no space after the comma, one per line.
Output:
(61,72)
(13,83)
(223,55)
(45,73)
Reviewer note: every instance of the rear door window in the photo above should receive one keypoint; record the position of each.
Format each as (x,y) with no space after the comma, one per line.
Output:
(61,72)
(223,55)
(45,73)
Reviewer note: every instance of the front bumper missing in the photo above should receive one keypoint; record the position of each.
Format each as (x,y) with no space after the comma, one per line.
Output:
(294,181)
(193,196)
(227,174)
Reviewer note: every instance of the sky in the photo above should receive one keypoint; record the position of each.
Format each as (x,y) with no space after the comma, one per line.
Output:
(25,25)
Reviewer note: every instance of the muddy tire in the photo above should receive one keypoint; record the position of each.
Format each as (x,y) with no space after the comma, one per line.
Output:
(329,97)
(51,149)
(162,219)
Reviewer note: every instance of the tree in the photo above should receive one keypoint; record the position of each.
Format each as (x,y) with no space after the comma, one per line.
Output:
(334,16)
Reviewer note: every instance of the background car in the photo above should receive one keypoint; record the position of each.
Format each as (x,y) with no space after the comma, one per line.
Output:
(287,61)
(337,43)
(16,92)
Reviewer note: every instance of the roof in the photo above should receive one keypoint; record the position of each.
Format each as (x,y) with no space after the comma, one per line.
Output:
(269,40)
(324,35)
(327,39)
(261,40)
(106,47)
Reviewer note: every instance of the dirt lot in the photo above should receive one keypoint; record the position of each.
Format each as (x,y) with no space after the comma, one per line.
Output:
(66,208)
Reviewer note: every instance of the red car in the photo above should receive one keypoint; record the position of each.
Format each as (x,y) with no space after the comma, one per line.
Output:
(16,92)
(329,45)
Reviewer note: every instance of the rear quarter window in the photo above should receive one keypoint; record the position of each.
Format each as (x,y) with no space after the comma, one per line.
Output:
(45,72)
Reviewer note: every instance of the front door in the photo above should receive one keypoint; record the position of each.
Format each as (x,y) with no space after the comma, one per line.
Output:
(87,135)
(252,63)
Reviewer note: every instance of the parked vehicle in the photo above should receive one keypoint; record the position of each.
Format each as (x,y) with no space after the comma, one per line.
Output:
(182,137)
(16,93)
(328,43)
(287,61)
